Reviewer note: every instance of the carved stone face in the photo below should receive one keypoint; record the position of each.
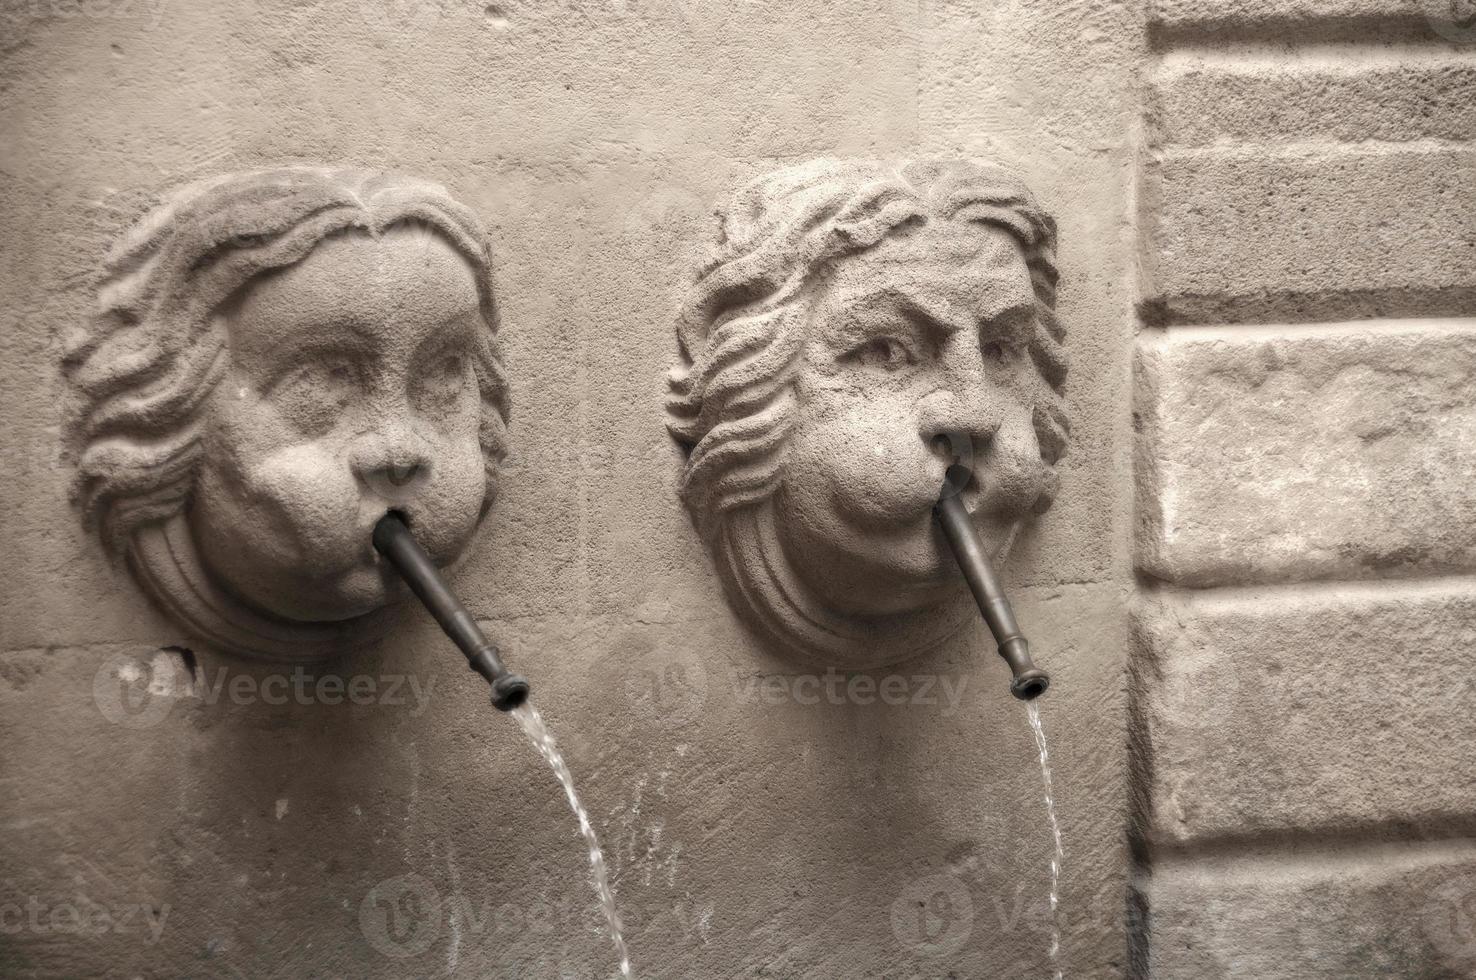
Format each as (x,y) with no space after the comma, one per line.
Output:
(857,327)
(351,391)
(278,357)
(916,354)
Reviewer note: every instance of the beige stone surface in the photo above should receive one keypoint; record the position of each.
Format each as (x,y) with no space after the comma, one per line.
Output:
(1345,94)
(1317,914)
(1174,21)
(745,838)
(863,337)
(1300,735)
(1322,710)
(1269,234)
(1318,452)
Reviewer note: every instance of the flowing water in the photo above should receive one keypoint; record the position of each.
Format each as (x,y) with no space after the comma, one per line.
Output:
(538,734)
(1050,801)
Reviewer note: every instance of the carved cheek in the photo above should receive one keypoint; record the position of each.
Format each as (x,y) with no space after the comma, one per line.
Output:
(445,509)
(1013,474)
(864,459)
(310,493)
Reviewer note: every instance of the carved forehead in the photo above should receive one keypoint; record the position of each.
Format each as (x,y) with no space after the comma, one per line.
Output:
(388,291)
(957,274)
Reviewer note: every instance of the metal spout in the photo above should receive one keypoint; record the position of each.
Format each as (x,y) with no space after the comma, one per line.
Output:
(392,538)
(1030,681)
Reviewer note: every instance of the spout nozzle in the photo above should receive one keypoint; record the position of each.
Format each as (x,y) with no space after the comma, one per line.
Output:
(393,540)
(1030,685)
(1029,682)
(509,692)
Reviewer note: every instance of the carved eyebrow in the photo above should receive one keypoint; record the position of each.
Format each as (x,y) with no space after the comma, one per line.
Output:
(1014,317)
(941,317)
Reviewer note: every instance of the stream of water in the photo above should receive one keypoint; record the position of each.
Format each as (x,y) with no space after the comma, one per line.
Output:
(1058,854)
(538,734)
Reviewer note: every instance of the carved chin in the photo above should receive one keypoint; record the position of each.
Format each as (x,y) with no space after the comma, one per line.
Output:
(860,571)
(781,600)
(166,561)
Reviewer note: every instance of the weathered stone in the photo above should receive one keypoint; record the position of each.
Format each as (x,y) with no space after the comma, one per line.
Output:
(860,328)
(1265,235)
(1288,20)
(1276,454)
(1319,913)
(1308,711)
(279,358)
(1200,97)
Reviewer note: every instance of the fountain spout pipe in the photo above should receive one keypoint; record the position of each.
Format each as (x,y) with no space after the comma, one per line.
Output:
(393,540)
(1029,681)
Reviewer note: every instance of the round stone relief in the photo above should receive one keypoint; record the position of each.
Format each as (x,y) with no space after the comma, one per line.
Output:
(278,358)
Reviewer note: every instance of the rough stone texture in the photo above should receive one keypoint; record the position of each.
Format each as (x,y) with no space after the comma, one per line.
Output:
(1172,21)
(1301,748)
(864,336)
(1317,914)
(1322,182)
(1289,453)
(745,839)
(1271,234)
(278,358)
(1337,709)
(740,806)
(1203,96)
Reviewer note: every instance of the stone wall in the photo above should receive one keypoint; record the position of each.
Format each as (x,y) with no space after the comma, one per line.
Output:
(1252,593)
(1305,418)
(760,819)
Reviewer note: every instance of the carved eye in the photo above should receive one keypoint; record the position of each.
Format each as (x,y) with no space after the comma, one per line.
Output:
(887,353)
(437,388)
(452,366)
(997,352)
(314,395)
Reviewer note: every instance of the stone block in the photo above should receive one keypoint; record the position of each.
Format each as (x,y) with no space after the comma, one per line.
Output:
(1201,97)
(1392,911)
(1360,20)
(1334,451)
(1297,234)
(1344,709)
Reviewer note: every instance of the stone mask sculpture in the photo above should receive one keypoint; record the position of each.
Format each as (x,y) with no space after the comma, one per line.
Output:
(278,358)
(858,327)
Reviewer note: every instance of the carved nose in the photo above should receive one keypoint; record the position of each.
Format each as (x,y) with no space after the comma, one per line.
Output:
(389,465)
(959,429)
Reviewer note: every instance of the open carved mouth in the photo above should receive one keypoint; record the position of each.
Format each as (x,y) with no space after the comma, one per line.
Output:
(963,482)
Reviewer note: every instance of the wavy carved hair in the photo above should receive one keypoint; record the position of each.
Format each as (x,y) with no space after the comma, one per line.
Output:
(154,351)
(742,327)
